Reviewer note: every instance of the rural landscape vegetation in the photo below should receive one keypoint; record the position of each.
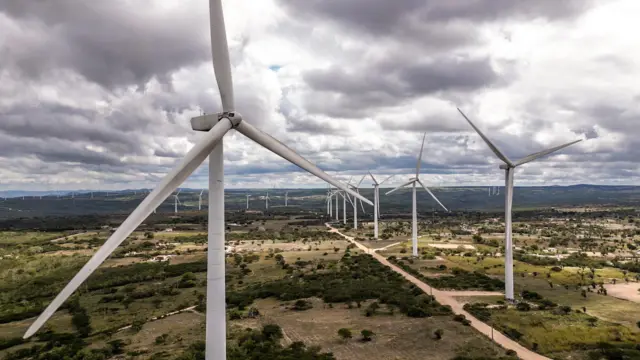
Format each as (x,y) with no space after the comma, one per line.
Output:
(301,285)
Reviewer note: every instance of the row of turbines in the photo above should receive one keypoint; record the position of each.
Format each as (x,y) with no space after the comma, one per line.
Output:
(211,145)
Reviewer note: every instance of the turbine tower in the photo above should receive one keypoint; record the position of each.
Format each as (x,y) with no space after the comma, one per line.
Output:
(176,201)
(376,202)
(248,196)
(266,201)
(354,202)
(344,207)
(509,167)
(286,198)
(210,145)
(413,181)
(200,200)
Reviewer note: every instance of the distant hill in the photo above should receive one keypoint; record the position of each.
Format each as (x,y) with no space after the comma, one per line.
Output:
(455,198)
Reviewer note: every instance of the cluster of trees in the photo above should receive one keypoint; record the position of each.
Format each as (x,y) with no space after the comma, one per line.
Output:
(356,279)
(259,344)
(461,279)
(36,291)
(66,346)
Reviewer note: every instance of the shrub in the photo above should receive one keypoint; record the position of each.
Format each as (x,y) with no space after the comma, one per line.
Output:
(523,306)
(301,305)
(438,334)
(367,335)
(345,334)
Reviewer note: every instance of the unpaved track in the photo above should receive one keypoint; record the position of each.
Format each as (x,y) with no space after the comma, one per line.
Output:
(446,298)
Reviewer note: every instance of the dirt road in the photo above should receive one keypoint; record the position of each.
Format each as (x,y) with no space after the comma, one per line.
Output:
(447,298)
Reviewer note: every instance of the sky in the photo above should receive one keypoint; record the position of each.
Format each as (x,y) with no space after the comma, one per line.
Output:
(99,94)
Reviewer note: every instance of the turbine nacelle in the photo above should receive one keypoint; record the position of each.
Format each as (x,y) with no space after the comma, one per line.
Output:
(506,167)
(207,121)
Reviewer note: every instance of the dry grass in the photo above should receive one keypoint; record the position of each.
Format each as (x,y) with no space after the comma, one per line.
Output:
(397,336)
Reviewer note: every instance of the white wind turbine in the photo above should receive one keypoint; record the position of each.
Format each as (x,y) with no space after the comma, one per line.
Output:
(509,167)
(266,201)
(200,200)
(210,145)
(376,202)
(176,201)
(413,181)
(354,202)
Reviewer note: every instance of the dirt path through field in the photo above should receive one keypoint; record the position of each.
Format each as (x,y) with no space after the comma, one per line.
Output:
(388,246)
(446,298)
(190,308)
(70,237)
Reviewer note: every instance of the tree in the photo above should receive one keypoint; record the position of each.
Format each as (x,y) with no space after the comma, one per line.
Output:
(81,322)
(157,302)
(438,334)
(366,335)
(345,334)
(137,325)
(272,332)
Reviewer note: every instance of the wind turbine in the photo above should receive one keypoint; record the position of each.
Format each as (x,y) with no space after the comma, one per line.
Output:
(413,181)
(266,201)
(354,202)
(248,196)
(200,200)
(376,202)
(216,126)
(509,167)
(286,198)
(176,201)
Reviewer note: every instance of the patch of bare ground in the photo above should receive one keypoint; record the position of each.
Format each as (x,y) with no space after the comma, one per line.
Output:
(627,291)
(397,336)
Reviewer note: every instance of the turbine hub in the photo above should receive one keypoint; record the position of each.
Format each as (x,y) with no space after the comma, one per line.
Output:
(207,121)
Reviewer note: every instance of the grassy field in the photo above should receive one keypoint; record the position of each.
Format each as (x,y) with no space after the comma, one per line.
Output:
(561,336)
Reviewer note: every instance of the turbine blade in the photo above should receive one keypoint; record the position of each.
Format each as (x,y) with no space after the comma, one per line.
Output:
(287,153)
(220,54)
(433,196)
(360,182)
(372,178)
(169,183)
(493,148)
(400,187)
(362,206)
(420,155)
(348,198)
(387,179)
(542,153)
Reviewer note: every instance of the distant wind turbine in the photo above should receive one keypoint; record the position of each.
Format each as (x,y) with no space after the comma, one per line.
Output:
(413,181)
(508,167)
(354,202)
(376,202)
(176,201)
(266,201)
(200,200)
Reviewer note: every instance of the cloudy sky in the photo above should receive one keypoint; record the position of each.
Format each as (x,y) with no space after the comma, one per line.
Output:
(98,94)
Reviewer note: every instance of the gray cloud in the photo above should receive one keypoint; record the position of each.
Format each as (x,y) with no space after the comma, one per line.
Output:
(360,90)
(113,43)
(433,23)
